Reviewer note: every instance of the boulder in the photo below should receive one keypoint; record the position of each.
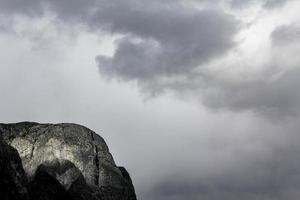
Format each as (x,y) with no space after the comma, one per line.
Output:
(73,155)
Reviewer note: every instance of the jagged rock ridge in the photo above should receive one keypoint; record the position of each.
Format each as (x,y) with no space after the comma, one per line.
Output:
(75,158)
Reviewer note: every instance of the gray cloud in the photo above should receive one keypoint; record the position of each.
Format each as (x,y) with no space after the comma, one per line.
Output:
(274,3)
(163,38)
(269,170)
(268,4)
(272,98)
(31,7)
(164,41)
(65,9)
(2,29)
(286,34)
(164,49)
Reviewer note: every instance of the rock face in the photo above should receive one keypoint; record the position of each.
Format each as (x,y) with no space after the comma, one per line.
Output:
(75,157)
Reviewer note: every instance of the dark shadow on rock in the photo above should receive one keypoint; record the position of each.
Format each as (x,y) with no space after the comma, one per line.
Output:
(12,176)
(64,171)
(63,180)
(81,191)
(45,187)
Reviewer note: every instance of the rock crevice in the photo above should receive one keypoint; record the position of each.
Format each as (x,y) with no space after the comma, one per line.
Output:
(96,160)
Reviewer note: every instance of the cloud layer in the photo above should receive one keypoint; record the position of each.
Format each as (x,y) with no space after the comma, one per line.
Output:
(164,39)
(171,45)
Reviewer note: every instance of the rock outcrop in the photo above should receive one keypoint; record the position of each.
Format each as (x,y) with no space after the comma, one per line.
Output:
(74,160)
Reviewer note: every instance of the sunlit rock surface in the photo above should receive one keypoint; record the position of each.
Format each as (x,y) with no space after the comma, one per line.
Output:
(75,156)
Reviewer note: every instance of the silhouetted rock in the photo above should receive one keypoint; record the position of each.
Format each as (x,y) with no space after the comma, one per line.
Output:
(46,187)
(74,160)
(12,176)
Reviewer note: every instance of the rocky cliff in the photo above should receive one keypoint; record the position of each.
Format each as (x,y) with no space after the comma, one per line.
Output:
(50,161)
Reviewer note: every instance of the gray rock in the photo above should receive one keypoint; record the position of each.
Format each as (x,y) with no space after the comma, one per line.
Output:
(67,152)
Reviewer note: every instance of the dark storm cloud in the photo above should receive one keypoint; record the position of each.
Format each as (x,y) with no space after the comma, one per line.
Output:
(164,40)
(154,57)
(159,38)
(165,43)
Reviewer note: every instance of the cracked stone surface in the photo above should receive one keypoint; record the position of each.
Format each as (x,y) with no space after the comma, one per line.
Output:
(57,143)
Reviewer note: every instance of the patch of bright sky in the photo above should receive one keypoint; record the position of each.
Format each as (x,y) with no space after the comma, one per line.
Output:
(251,59)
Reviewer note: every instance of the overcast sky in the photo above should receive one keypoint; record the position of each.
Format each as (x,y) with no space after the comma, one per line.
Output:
(198,99)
